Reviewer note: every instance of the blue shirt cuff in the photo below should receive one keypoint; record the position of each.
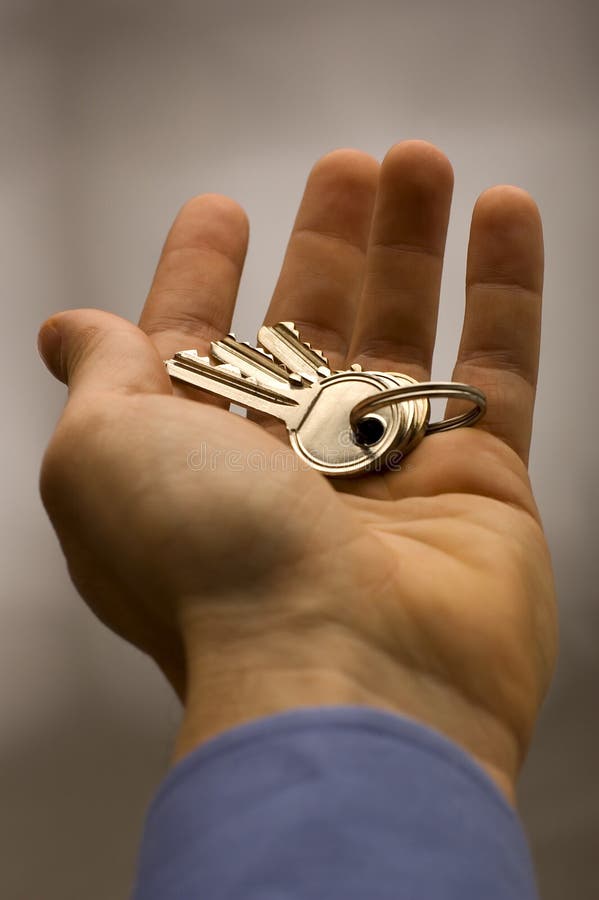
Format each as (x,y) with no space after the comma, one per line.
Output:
(331,803)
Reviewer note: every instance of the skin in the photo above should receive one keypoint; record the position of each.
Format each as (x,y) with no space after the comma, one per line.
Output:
(426,591)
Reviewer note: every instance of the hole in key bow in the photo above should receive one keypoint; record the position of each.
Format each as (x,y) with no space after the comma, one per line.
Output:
(369,430)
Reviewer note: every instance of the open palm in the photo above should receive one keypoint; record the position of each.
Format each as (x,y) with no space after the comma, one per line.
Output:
(428,589)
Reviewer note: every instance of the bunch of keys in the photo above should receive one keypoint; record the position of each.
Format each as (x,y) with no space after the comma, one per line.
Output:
(341,423)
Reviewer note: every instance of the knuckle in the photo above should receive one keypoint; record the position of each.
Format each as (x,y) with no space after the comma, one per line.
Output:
(181,321)
(390,353)
(88,338)
(501,360)
(322,337)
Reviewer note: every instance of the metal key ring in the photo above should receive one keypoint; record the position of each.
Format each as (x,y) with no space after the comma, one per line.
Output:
(424,390)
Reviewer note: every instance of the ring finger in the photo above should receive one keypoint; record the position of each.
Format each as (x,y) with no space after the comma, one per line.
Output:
(397,317)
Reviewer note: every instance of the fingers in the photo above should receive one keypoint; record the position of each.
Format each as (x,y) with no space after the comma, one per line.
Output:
(193,293)
(321,276)
(95,351)
(397,318)
(499,348)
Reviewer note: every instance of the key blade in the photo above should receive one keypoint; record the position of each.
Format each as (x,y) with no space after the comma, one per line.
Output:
(252,362)
(288,404)
(283,341)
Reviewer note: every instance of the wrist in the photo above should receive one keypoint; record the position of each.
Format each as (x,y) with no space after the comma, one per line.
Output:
(217,703)
(236,674)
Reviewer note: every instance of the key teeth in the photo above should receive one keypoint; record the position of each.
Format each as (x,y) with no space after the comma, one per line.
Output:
(251,361)
(291,327)
(295,379)
(192,354)
(317,353)
(228,367)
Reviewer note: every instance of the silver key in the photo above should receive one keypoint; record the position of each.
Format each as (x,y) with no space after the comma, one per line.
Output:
(284,342)
(265,391)
(253,362)
(313,405)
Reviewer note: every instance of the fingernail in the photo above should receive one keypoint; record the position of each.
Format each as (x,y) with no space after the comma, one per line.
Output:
(48,344)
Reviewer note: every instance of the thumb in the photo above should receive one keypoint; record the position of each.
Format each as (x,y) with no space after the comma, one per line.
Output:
(92,350)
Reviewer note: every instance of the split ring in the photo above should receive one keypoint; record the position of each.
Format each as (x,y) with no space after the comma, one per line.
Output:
(426,390)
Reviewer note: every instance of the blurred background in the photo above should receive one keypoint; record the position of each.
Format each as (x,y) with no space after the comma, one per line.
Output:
(114,112)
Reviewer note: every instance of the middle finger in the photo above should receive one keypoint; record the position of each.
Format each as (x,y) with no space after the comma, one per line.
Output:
(397,318)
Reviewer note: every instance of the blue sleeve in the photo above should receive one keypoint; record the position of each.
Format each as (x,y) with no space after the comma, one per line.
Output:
(331,803)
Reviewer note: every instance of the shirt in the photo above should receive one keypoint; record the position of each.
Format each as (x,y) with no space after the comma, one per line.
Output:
(331,803)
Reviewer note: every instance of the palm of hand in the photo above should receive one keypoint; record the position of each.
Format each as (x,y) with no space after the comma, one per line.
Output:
(439,573)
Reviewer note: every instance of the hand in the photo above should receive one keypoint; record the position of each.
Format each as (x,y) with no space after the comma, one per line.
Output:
(426,591)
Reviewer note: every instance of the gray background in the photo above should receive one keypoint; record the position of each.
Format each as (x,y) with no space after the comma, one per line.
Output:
(114,113)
